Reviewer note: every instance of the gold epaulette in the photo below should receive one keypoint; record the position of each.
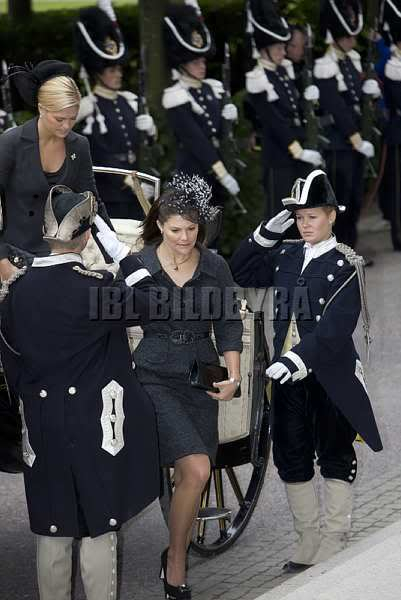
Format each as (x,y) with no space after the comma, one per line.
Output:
(87,273)
(350,255)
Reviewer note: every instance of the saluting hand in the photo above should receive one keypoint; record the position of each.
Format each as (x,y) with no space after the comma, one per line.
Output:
(109,240)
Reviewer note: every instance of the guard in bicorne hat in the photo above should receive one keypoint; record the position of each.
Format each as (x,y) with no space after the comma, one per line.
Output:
(320,396)
(339,77)
(89,439)
(194,104)
(278,105)
(390,191)
(109,116)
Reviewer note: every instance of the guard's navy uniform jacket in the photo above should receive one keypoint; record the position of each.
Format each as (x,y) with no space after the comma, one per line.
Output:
(89,435)
(194,114)
(117,147)
(325,301)
(276,101)
(338,77)
(390,190)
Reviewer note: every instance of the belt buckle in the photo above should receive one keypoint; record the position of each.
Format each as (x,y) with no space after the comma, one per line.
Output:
(181,337)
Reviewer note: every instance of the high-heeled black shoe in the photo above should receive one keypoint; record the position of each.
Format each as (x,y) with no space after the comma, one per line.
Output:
(172,592)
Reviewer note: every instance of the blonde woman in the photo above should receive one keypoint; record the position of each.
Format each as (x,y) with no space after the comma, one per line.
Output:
(37,155)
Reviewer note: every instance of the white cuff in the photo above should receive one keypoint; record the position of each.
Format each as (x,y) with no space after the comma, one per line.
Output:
(136,277)
(259,239)
(299,363)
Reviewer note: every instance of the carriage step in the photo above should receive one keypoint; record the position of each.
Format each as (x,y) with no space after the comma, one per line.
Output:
(213,514)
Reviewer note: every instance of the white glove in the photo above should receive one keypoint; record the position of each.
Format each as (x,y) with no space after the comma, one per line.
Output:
(311,93)
(148,190)
(145,123)
(311,156)
(277,371)
(372,88)
(109,240)
(280,223)
(86,107)
(230,112)
(230,183)
(366,148)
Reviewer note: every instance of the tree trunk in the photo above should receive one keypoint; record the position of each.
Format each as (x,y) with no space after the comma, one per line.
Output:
(152,50)
(19,10)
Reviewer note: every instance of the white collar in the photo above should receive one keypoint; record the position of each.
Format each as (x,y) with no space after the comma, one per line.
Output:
(269,65)
(321,247)
(189,82)
(56,259)
(104,92)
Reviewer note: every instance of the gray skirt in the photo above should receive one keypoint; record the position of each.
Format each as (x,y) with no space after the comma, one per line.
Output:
(187,418)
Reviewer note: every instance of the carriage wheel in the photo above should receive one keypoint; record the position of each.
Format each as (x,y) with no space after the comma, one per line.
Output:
(228,500)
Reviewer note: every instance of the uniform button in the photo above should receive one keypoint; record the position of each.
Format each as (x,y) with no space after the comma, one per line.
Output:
(125,134)
(322,301)
(318,317)
(209,123)
(123,126)
(112,522)
(43,393)
(16,259)
(283,251)
(350,478)
(353,470)
(129,143)
(354,462)
(117,110)
(120,118)
(277,268)
(113,418)
(301,281)
(113,442)
(201,98)
(207,114)
(214,130)
(330,277)
(53,529)
(72,390)
(340,263)
(309,370)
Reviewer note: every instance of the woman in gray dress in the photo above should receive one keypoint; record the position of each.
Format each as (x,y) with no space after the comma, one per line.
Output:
(196,293)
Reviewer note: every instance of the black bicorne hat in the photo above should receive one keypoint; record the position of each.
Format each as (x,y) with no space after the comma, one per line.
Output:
(98,40)
(265,24)
(28,80)
(313,192)
(390,19)
(340,18)
(68,214)
(186,36)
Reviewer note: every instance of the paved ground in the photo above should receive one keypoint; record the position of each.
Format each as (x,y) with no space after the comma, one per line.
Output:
(253,565)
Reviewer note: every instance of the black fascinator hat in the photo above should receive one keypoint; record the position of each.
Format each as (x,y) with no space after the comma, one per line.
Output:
(28,80)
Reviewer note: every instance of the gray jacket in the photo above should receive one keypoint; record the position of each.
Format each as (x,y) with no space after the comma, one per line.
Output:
(178,330)
(24,187)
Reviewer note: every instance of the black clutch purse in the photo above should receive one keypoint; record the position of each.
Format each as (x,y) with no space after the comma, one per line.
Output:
(202,376)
